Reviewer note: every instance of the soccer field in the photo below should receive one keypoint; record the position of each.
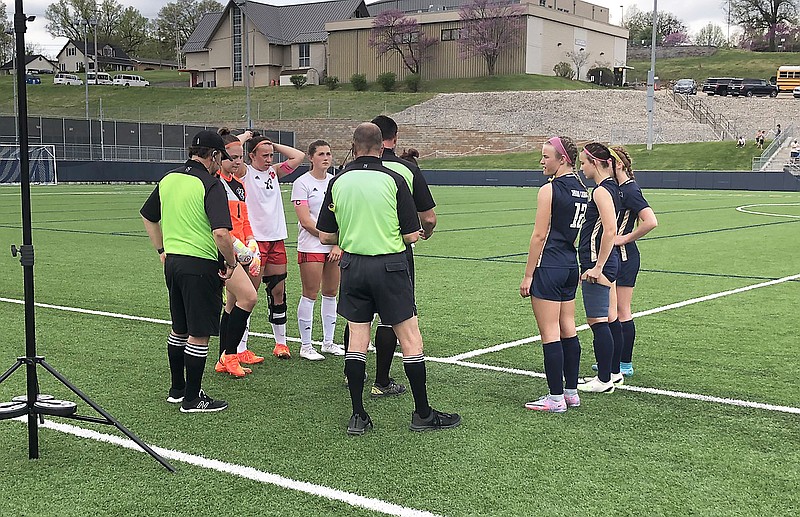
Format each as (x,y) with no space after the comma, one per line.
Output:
(708,425)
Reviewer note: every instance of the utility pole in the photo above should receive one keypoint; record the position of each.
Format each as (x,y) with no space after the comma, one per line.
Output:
(246,53)
(86,65)
(651,81)
(10,32)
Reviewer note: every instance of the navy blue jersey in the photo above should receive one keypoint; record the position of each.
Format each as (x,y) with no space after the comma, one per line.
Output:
(592,229)
(632,202)
(566,215)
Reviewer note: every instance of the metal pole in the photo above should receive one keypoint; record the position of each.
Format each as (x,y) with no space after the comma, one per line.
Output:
(86,67)
(246,53)
(102,137)
(651,77)
(16,109)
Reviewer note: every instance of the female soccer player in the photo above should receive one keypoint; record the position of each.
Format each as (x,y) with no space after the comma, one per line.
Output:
(551,273)
(635,209)
(599,261)
(241,295)
(319,263)
(265,208)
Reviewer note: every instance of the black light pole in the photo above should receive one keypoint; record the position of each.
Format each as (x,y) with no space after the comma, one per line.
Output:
(33,403)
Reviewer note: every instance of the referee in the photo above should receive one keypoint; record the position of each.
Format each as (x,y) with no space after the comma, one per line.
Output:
(370,213)
(188,222)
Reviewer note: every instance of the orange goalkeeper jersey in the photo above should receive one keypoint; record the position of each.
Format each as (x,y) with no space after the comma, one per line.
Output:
(236,204)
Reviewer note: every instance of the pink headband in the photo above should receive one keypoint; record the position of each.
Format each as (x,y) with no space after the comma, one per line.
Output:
(585,150)
(556,142)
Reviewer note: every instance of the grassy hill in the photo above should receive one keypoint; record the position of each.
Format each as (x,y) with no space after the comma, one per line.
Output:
(171,100)
(724,63)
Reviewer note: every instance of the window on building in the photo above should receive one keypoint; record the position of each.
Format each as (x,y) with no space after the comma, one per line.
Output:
(542,2)
(108,51)
(236,15)
(305,54)
(451,34)
(71,51)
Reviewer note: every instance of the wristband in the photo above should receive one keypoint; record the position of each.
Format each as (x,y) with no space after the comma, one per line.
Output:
(160,251)
(230,266)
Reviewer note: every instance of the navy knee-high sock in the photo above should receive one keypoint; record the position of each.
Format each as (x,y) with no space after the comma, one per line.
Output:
(572,360)
(616,334)
(603,349)
(554,366)
(628,337)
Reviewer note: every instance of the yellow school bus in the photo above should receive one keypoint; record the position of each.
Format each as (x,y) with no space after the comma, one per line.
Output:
(788,77)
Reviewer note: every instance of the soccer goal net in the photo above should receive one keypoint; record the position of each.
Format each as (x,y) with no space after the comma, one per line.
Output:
(42,164)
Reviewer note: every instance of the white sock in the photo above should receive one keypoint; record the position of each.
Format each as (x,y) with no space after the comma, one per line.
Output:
(279,331)
(305,319)
(328,312)
(243,343)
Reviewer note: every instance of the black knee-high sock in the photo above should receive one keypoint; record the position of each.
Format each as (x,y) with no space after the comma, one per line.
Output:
(554,366)
(628,337)
(175,348)
(237,322)
(572,360)
(195,359)
(385,346)
(603,349)
(223,331)
(346,343)
(414,365)
(616,334)
(355,364)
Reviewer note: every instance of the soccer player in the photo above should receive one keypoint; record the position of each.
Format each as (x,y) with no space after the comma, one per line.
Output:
(241,294)
(634,209)
(369,212)
(187,220)
(265,209)
(551,273)
(319,263)
(599,260)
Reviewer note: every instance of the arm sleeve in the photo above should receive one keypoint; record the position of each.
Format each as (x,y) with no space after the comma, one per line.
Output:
(423,199)
(151,210)
(216,205)
(406,209)
(326,222)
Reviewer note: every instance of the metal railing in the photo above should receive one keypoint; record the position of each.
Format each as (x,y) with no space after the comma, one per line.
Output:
(761,162)
(724,128)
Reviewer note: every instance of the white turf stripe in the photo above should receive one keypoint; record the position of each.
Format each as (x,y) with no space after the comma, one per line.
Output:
(244,472)
(677,305)
(128,317)
(638,389)
(744,209)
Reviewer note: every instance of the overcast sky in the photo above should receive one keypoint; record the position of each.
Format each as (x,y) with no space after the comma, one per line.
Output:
(695,13)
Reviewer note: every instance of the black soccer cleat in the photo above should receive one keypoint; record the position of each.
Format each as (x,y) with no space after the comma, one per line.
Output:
(435,421)
(358,426)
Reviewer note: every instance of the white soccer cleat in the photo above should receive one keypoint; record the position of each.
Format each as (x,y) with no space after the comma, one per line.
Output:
(308,352)
(595,385)
(332,348)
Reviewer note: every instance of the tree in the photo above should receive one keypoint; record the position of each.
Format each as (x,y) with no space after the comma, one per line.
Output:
(490,27)
(579,58)
(177,20)
(764,15)
(675,39)
(640,26)
(6,40)
(395,33)
(132,32)
(68,18)
(710,36)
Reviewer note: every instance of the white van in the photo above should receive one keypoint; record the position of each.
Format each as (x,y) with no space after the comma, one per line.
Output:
(130,80)
(102,78)
(62,78)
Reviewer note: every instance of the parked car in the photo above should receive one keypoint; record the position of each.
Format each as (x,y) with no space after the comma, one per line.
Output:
(796,92)
(102,78)
(751,87)
(32,79)
(717,85)
(62,78)
(130,80)
(687,86)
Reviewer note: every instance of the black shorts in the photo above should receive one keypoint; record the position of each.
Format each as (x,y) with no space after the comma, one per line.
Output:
(628,270)
(555,284)
(379,284)
(610,269)
(195,295)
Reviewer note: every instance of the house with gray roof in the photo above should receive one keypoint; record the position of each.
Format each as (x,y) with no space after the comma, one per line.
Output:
(271,42)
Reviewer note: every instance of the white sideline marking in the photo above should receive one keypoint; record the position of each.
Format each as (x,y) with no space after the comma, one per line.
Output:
(511,344)
(243,471)
(744,209)
(638,389)
(126,316)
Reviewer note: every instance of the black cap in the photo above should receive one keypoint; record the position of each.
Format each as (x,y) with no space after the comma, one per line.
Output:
(212,140)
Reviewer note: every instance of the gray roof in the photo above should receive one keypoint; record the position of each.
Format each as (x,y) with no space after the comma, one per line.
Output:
(282,24)
(416,6)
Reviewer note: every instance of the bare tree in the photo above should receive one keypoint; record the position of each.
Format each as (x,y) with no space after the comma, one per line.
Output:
(578,58)
(764,15)
(68,18)
(395,33)
(490,27)
(710,35)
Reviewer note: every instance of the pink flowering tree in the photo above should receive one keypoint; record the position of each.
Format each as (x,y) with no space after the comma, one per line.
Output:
(490,27)
(395,33)
(676,39)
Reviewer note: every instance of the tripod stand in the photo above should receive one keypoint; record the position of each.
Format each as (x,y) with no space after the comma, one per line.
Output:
(33,403)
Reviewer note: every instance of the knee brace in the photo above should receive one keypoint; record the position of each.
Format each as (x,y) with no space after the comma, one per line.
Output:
(277,312)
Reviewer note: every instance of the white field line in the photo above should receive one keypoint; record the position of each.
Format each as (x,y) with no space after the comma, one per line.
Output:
(746,209)
(243,471)
(126,316)
(677,305)
(638,389)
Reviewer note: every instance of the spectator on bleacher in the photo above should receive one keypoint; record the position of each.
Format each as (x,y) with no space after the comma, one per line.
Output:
(794,150)
(778,131)
(741,142)
(760,138)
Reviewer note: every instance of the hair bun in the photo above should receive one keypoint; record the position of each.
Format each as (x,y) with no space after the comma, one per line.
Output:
(224,131)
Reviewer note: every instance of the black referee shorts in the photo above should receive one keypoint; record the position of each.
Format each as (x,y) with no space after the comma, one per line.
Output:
(379,284)
(195,295)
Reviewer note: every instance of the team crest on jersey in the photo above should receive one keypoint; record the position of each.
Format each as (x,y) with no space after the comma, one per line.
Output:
(240,193)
